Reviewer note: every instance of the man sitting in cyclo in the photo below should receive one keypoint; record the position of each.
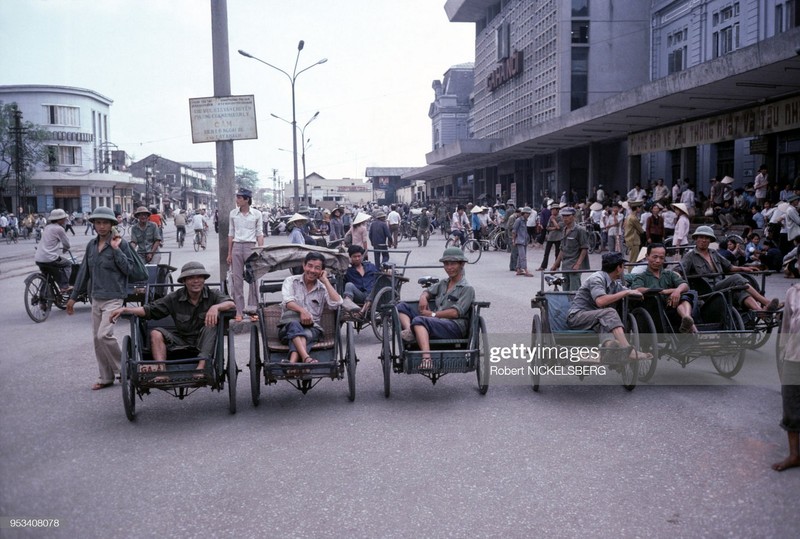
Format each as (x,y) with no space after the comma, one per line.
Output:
(592,306)
(703,261)
(303,299)
(359,282)
(447,318)
(195,309)
(679,299)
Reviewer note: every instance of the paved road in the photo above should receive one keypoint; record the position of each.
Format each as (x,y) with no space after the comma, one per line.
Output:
(662,461)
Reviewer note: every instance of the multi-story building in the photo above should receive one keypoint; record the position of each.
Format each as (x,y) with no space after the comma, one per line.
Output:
(83,167)
(332,192)
(449,112)
(171,185)
(569,94)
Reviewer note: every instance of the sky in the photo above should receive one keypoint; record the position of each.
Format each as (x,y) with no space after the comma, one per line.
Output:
(151,56)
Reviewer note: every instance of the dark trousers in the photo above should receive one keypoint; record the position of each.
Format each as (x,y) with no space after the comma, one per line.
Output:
(546,260)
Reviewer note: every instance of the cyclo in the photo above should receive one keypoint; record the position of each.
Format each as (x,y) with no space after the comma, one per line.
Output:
(142,292)
(549,329)
(335,352)
(721,333)
(447,356)
(181,374)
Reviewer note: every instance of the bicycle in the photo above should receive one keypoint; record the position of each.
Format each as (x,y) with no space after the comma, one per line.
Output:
(12,236)
(199,240)
(595,238)
(472,248)
(181,236)
(42,292)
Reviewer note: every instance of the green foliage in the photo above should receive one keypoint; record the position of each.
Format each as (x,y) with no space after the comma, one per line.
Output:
(246,178)
(34,149)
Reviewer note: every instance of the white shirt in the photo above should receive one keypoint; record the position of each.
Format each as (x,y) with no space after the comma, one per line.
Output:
(687,197)
(393,218)
(669,217)
(459,222)
(245,228)
(198,221)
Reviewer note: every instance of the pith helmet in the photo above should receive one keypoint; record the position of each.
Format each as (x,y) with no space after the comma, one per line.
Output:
(103,212)
(191,269)
(453,254)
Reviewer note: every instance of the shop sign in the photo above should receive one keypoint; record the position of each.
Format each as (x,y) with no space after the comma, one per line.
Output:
(756,121)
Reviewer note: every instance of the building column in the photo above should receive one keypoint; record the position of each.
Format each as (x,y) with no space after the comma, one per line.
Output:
(689,163)
(634,172)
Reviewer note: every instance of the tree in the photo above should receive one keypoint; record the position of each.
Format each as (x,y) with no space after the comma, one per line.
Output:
(246,178)
(32,150)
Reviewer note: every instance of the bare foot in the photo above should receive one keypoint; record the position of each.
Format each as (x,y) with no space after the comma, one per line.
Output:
(792,461)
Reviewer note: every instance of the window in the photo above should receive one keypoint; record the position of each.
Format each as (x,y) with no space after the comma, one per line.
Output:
(779,19)
(61,115)
(580,32)
(63,155)
(580,8)
(726,40)
(676,61)
(579,86)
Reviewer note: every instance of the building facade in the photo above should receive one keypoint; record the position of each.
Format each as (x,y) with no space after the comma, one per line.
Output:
(332,192)
(449,112)
(170,185)
(571,94)
(83,168)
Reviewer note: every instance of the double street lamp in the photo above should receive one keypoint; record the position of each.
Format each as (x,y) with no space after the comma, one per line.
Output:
(303,155)
(292,79)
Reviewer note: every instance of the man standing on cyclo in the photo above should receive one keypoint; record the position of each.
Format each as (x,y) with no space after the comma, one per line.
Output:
(146,236)
(195,309)
(200,226)
(54,243)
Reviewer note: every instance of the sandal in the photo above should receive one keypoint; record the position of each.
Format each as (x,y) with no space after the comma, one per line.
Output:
(309,359)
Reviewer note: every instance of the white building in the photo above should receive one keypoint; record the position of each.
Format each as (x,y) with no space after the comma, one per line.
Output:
(84,168)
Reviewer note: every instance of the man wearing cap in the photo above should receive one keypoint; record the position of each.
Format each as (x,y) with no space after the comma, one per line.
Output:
(146,236)
(195,309)
(554,227)
(54,243)
(592,308)
(702,261)
(633,229)
(423,228)
(520,238)
(574,251)
(380,237)
(104,276)
(245,232)
(443,308)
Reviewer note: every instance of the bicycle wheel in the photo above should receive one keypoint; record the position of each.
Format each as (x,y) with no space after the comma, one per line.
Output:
(379,302)
(472,250)
(196,243)
(38,304)
(452,241)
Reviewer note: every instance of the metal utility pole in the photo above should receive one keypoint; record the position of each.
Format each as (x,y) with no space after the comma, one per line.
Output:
(18,158)
(225,161)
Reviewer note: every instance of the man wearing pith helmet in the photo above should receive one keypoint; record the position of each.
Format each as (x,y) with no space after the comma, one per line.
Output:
(104,276)
(195,309)
(443,308)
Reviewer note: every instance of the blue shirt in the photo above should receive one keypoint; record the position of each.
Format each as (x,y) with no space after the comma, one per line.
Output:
(366,282)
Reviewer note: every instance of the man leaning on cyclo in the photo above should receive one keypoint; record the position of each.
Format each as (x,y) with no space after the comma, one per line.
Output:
(54,243)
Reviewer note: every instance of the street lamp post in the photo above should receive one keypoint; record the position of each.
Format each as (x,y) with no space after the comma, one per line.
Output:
(303,155)
(292,79)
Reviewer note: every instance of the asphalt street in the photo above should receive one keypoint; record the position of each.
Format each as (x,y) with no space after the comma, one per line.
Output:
(685,455)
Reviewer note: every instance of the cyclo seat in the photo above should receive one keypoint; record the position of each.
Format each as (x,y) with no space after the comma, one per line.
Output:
(558,305)
(272,315)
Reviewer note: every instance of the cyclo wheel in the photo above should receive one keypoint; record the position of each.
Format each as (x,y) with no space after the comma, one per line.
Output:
(379,302)
(38,303)
(649,342)
(537,338)
(348,349)
(760,327)
(472,250)
(481,369)
(255,366)
(127,379)
(231,373)
(630,369)
(389,350)
(730,364)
